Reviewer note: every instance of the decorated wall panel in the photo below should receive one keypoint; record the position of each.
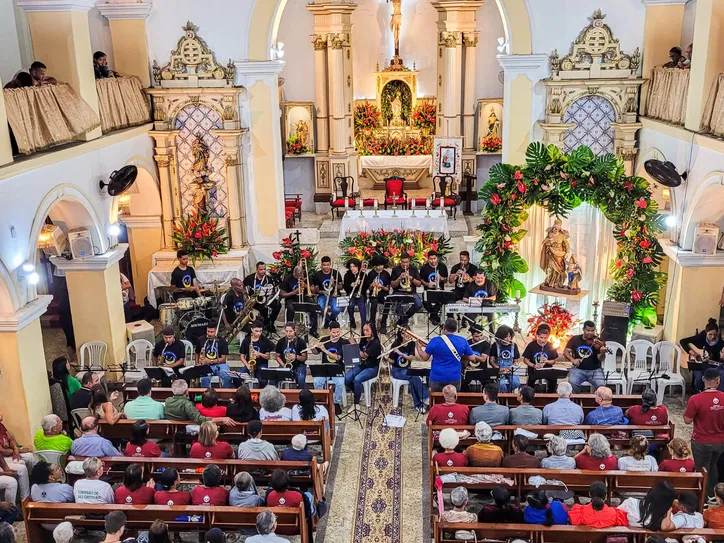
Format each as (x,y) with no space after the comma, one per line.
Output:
(592,117)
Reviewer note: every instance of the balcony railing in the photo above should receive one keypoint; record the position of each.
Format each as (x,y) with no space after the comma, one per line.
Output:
(712,121)
(668,91)
(122,103)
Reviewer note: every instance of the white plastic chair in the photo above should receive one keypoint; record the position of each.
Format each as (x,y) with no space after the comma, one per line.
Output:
(54,457)
(638,369)
(397,384)
(93,356)
(189,356)
(367,389)
(668,355)
(138,356)
(612,373)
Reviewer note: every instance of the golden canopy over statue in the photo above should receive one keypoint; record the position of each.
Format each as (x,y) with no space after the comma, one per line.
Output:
(553,256)
(200,170)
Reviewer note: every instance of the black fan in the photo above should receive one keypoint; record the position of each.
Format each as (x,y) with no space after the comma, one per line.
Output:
(120,180)
(664,172)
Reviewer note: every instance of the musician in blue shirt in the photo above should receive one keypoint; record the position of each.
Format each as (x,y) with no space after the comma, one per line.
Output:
(480,288)
(503,355)
(448,351)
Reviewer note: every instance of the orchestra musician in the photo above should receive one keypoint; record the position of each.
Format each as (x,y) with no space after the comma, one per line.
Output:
(233,302)
(378,286)
(503,355)
(289,352)
(354,281)
(433,275)
(332,354)
(711,346)
(402,355)
(479,345)
(212,351)
(327,283)
(449,352)
(480,288)
(262,351)
(293,288)
(170,353)
(404,280)
(259,280)
(540,355)
(586,352)
(184,276)
(462,274)
(370,351)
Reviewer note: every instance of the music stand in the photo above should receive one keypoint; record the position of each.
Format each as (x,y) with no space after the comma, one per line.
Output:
(398,304)
(326,370)
(275,375)
(442,297)
(159,374)
(483,375)
(351,358)
(195,372)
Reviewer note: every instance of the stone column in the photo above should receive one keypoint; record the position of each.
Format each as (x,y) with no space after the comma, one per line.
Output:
(6,151)
(337,115)
(231,141)
(61,39)
(320,91)
(451,77)
(470,41)
(624,143)
(170,195)
(145,237)
(127,20)
(24,393)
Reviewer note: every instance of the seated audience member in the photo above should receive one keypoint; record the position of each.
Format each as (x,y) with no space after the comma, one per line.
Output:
(208,447)
(209,406)
(680,460)
(90,443)
(490,412)
(539,511)
(606,413)
(51,437)
(81,398)
(502,511)
(449,458)
(133,490)
(64,533)
(450,412)
(280,495)
(520,457)
(169,479)
(653,511)
(22,79)
(61,365)
(688,515)
(484,453)
(46,487)
(307,409)
(37,72)
(17,457)
(648,413)
(144,407)
(100,66)
(639,460)
(210,492)
(158,532)
(714,516)
(557,447)
(298,451)
(9,485)
(596,455)
(92,489)
(255,448)
(525,414)
(179,407)
(563,412)
(7,532)
(272,403)
(675,56)
(459,499)
(596,513)
(266,525)
(215,535)
(242,409)
(140,445)
(244,493)
(115,525)
(101,407)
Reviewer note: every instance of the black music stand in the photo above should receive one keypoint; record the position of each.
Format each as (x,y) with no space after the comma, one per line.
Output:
(398,304)
(442,297)
(482,375)
(275,375)
(159,374)
(351,358)
(327,370)
(307,308)
(195,372)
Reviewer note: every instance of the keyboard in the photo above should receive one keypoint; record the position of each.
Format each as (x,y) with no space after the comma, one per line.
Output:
(482,310)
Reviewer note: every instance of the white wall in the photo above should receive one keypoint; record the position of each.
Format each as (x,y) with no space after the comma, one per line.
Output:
(299,179)
(100,35)
(687,30)
(10,56)
(487,69)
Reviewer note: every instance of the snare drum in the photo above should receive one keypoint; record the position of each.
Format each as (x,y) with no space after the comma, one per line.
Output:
(186,304)
(203,301)
(342,301)
(168,314)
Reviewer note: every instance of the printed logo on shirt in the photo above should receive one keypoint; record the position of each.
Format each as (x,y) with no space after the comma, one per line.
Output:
(169,502)
(332,350)
(207,499)
(482,293)
(238,306)
(170,357)
(211,351)
(506,354)
(540,358)
(282,501)
(584,351)
(450,415)
(449,463)
(129,499)
(653,418)
(186,281)
(431,277)
(207,454)
(602,466)
(44,494)
(715,401)
(326,282)
(400,358)
(138,450)
(682,469)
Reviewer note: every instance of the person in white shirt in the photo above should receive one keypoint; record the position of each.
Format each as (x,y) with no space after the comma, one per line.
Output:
(92,489)
(638,460)
(654,508)
(688,516)
(266,524)
(272,403)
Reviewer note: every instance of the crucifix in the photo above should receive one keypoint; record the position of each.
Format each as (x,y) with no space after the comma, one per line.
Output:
(396,23)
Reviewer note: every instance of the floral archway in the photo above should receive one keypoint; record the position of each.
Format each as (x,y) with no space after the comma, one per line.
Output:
(560,182)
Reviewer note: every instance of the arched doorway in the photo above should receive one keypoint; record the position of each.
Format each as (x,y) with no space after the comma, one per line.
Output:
(592,116)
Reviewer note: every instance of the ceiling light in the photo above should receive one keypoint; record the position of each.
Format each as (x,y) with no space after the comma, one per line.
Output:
(114,230)
(28,267)
(670,221)
(33,278)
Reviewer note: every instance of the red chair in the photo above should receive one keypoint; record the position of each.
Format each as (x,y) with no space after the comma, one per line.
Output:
(451,200)
(343,188)
(368,202)
(420,202)
(395,192)
(294,201)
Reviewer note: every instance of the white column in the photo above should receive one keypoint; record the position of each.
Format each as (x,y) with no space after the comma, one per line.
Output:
(452,81)
(348,94)
(231,142)
(337,130)
(320,91)
(470,41)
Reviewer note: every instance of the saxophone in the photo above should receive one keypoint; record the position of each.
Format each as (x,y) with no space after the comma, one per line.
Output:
(253,353)
(245,316)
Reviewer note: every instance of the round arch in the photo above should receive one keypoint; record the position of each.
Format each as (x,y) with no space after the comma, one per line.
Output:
(147,200)
(707,205)
(10,300)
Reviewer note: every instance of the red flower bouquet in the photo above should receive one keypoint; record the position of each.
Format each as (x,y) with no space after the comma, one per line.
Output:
(201,236)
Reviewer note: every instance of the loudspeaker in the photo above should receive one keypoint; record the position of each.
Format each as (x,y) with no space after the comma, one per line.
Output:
(614,329)
(81,244)
(705,238)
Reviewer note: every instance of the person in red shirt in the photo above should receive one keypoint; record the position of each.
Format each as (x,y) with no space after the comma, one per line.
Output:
(210,493)
(596,513)
(449,440)
(449,412)
(680,460)
(596,455)
(169,479)
(140,444)
(648,413)
(207,447)
(209,406)
(279,494)
(133,490)
(706,411)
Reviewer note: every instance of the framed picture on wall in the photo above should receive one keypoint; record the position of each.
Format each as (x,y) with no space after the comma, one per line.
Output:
(490,125)
(448,160)
(298,128)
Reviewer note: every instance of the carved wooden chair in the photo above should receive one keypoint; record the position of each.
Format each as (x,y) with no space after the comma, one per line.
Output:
(443,187)
(343,188)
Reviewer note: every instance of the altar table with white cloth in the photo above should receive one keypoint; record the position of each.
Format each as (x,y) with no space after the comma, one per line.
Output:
(411,167)
(219,270)
(352,222)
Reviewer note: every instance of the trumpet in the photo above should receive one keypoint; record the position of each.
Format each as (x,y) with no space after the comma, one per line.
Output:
(289,357)
(406,281)
(376,287)
(408,332)
(460,283)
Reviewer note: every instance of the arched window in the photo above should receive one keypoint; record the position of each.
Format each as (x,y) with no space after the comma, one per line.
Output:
(592,116)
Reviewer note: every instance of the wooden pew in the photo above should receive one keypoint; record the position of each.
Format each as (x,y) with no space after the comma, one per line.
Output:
(290,520)
(273,431)
(226,395)
(586,401)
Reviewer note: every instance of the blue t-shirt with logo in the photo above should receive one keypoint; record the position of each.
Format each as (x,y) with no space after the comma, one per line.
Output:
(445,366)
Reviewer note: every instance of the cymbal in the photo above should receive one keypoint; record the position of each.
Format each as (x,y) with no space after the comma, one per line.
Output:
(215,282)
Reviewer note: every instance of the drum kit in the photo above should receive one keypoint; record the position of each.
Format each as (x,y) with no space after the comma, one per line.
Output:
(191,316)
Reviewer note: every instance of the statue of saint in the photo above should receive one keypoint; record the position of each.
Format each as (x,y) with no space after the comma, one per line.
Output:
(575,274)
(553,256)
(396,107)
(200,170)
(396,23)
(301,131)
(493,124)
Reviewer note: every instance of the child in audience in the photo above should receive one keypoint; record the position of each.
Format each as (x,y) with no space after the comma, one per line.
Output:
(140,445)
(133,491)
(688,516)
(653,511)
(639,460)
(539,511)
(449,439)
(714,516)
(501,510)
(280,495)
(169,479)
(207,447)
(244,493)
(680,460)
(596,513)
(210,493)
(209,406)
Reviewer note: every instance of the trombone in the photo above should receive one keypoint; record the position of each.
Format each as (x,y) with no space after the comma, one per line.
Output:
(359,282)
(306,285)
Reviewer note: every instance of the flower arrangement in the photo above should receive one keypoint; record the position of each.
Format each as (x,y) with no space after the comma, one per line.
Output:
(201,236)
(386,146)
(489,144)
(290,256)
(296,147)
(393,244)
(425,117)
(558,318)
(366,116)
(560,181)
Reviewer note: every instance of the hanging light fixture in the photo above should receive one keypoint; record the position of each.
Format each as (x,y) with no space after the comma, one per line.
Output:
(51,240)
(124,202)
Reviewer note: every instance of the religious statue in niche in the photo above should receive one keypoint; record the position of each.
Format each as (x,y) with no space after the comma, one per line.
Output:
(396,24)
(396,107)
(553,257)
(493,125)
(201,172)
(301,131)
(575,274)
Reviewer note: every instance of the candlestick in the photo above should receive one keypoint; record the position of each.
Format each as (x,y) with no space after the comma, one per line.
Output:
(517,294)
(427,207)
(346,203)
(412,206)
(376,206)
(442,206)
(361,207)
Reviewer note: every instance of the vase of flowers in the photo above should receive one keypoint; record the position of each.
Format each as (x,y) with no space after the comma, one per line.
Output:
(392,244)
(201,236)
(296,147)
(489,144)
(290,256)
(366,117)
(424,117)
(558,318)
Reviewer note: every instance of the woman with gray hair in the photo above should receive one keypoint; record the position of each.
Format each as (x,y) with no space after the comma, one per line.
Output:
(273,403)
(483,453)
(459,499)
(51,437)
(596,455)
(244,493)
(557,447)
(63,533)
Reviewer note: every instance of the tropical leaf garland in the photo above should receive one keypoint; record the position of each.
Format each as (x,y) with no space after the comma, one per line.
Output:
(560,182)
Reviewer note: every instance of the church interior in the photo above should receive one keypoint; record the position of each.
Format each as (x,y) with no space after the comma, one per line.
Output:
(377,201)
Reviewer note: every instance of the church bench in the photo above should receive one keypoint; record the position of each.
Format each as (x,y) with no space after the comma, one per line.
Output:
(290,520)
(586,401)
(226,395)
